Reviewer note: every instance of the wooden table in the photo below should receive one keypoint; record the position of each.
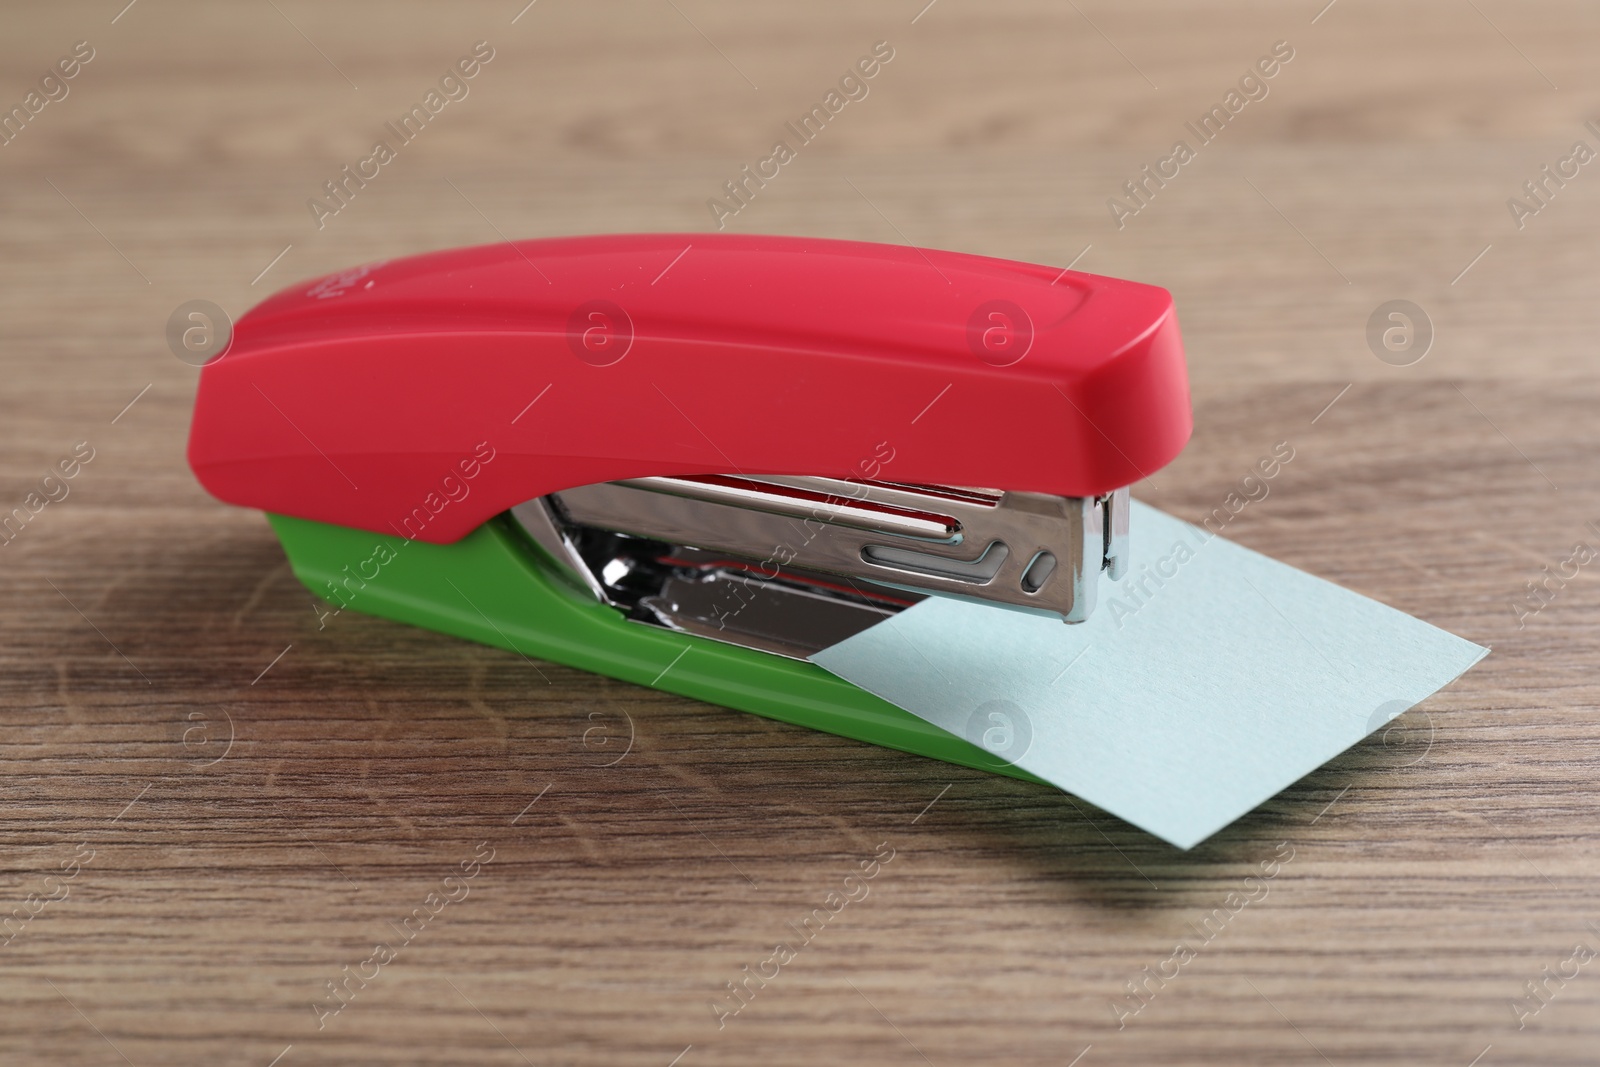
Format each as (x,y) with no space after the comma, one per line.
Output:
(232,805)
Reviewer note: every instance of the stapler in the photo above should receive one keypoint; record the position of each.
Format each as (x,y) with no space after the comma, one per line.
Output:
(689,461)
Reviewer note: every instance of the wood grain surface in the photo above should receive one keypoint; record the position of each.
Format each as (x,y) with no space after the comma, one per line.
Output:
(213,806)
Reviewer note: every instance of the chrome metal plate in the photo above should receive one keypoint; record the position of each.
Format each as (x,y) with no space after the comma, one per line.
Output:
(1026,550)
(791,566)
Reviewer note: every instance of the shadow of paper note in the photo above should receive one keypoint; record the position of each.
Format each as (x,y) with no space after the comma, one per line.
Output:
(1208,678)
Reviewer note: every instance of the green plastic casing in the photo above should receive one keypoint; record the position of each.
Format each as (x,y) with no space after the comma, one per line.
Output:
(497,587)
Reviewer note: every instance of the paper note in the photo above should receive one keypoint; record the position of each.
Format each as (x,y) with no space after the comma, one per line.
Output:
(1207,679)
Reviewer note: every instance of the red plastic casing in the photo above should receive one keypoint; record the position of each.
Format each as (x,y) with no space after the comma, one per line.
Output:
(371,398)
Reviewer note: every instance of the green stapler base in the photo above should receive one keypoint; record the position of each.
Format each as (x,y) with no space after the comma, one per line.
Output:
(496,587)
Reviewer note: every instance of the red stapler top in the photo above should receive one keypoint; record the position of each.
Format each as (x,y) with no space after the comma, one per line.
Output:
(355,399)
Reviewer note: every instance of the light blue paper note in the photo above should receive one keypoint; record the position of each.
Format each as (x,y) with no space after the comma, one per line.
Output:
(1207,679)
